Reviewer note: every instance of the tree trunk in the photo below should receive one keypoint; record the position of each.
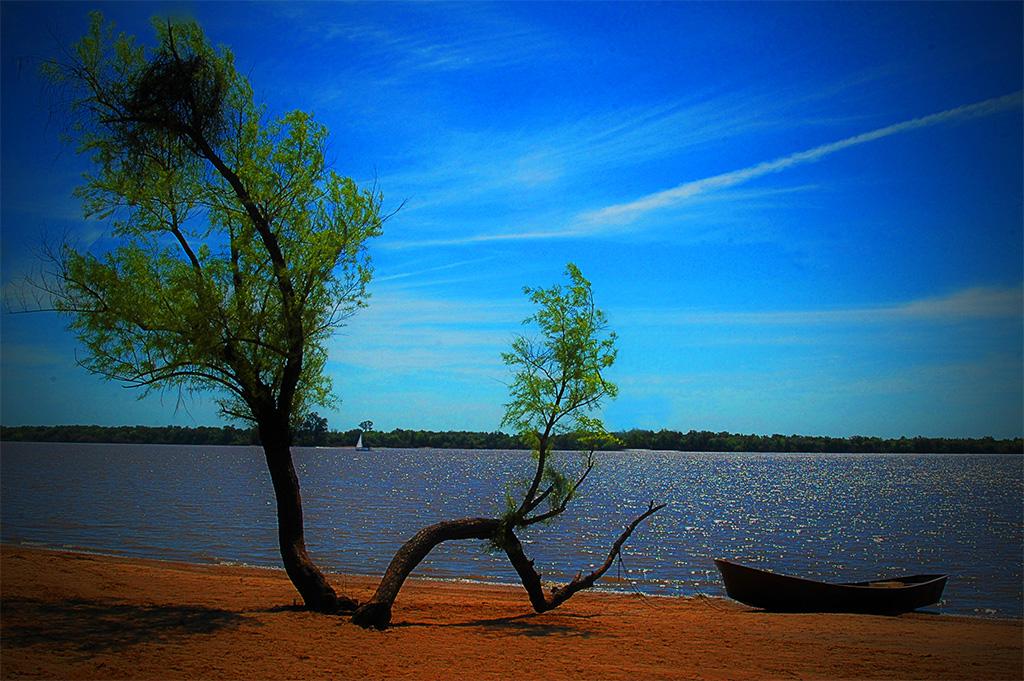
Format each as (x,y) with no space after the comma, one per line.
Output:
(311,584)
(376,612)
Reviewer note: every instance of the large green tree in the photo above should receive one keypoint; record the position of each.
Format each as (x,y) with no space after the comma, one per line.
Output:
(558,383)
(237,249)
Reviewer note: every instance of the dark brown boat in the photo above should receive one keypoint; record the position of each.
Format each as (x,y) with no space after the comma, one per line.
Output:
(780,593)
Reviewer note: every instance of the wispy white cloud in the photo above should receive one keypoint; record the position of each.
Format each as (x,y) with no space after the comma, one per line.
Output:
(715,210)
(406,334)
(628,212)
(418,42)
(479,239)
(635,138)
(973,304)
(430,270)
(460,166)
(912,393)
(420,53)
(642,133)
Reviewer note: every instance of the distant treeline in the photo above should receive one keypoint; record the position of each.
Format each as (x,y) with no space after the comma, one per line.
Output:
(704,441)
(140,435)
(692,441)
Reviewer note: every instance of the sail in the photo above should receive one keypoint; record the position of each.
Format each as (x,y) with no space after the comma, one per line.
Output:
(359,444)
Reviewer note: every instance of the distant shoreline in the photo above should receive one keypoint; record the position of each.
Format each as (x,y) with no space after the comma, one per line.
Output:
(663,440)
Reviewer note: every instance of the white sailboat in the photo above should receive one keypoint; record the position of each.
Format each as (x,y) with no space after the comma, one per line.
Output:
(359,444)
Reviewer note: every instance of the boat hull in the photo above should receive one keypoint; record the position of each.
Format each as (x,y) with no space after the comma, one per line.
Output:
(780,593)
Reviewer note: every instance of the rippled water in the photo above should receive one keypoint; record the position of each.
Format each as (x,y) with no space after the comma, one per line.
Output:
(829,516)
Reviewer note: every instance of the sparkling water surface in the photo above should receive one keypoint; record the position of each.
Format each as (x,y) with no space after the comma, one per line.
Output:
(842,517)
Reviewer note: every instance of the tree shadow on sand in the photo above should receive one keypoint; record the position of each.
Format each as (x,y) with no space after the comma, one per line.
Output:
(520,625)
(91,627)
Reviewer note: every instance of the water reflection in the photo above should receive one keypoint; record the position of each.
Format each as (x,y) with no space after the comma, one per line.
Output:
(827,516)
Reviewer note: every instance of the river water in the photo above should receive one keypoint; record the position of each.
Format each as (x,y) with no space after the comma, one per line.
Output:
(830,516)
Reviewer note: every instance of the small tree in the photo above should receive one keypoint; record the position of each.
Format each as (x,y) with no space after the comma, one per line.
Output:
(239,250)
(558,382)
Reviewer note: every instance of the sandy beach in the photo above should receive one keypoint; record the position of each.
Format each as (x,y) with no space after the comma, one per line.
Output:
(75,616)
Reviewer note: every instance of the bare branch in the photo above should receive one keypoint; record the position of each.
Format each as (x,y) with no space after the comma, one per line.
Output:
(531,578)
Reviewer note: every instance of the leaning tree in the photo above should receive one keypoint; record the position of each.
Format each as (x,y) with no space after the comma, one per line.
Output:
(238,250)
(559,380)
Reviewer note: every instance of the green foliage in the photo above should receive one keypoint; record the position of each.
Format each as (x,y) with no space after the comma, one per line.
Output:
(558,382)
(559,377)
(238,249)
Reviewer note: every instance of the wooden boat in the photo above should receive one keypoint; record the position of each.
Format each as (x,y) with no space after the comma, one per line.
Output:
(779,593)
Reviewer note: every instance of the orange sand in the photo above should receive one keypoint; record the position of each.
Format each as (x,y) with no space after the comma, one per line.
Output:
(68,615)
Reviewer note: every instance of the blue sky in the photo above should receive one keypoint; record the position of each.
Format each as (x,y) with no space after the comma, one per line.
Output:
(799,218)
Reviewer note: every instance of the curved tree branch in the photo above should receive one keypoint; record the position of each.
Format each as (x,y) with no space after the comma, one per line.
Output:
(531,578)
(376,613)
